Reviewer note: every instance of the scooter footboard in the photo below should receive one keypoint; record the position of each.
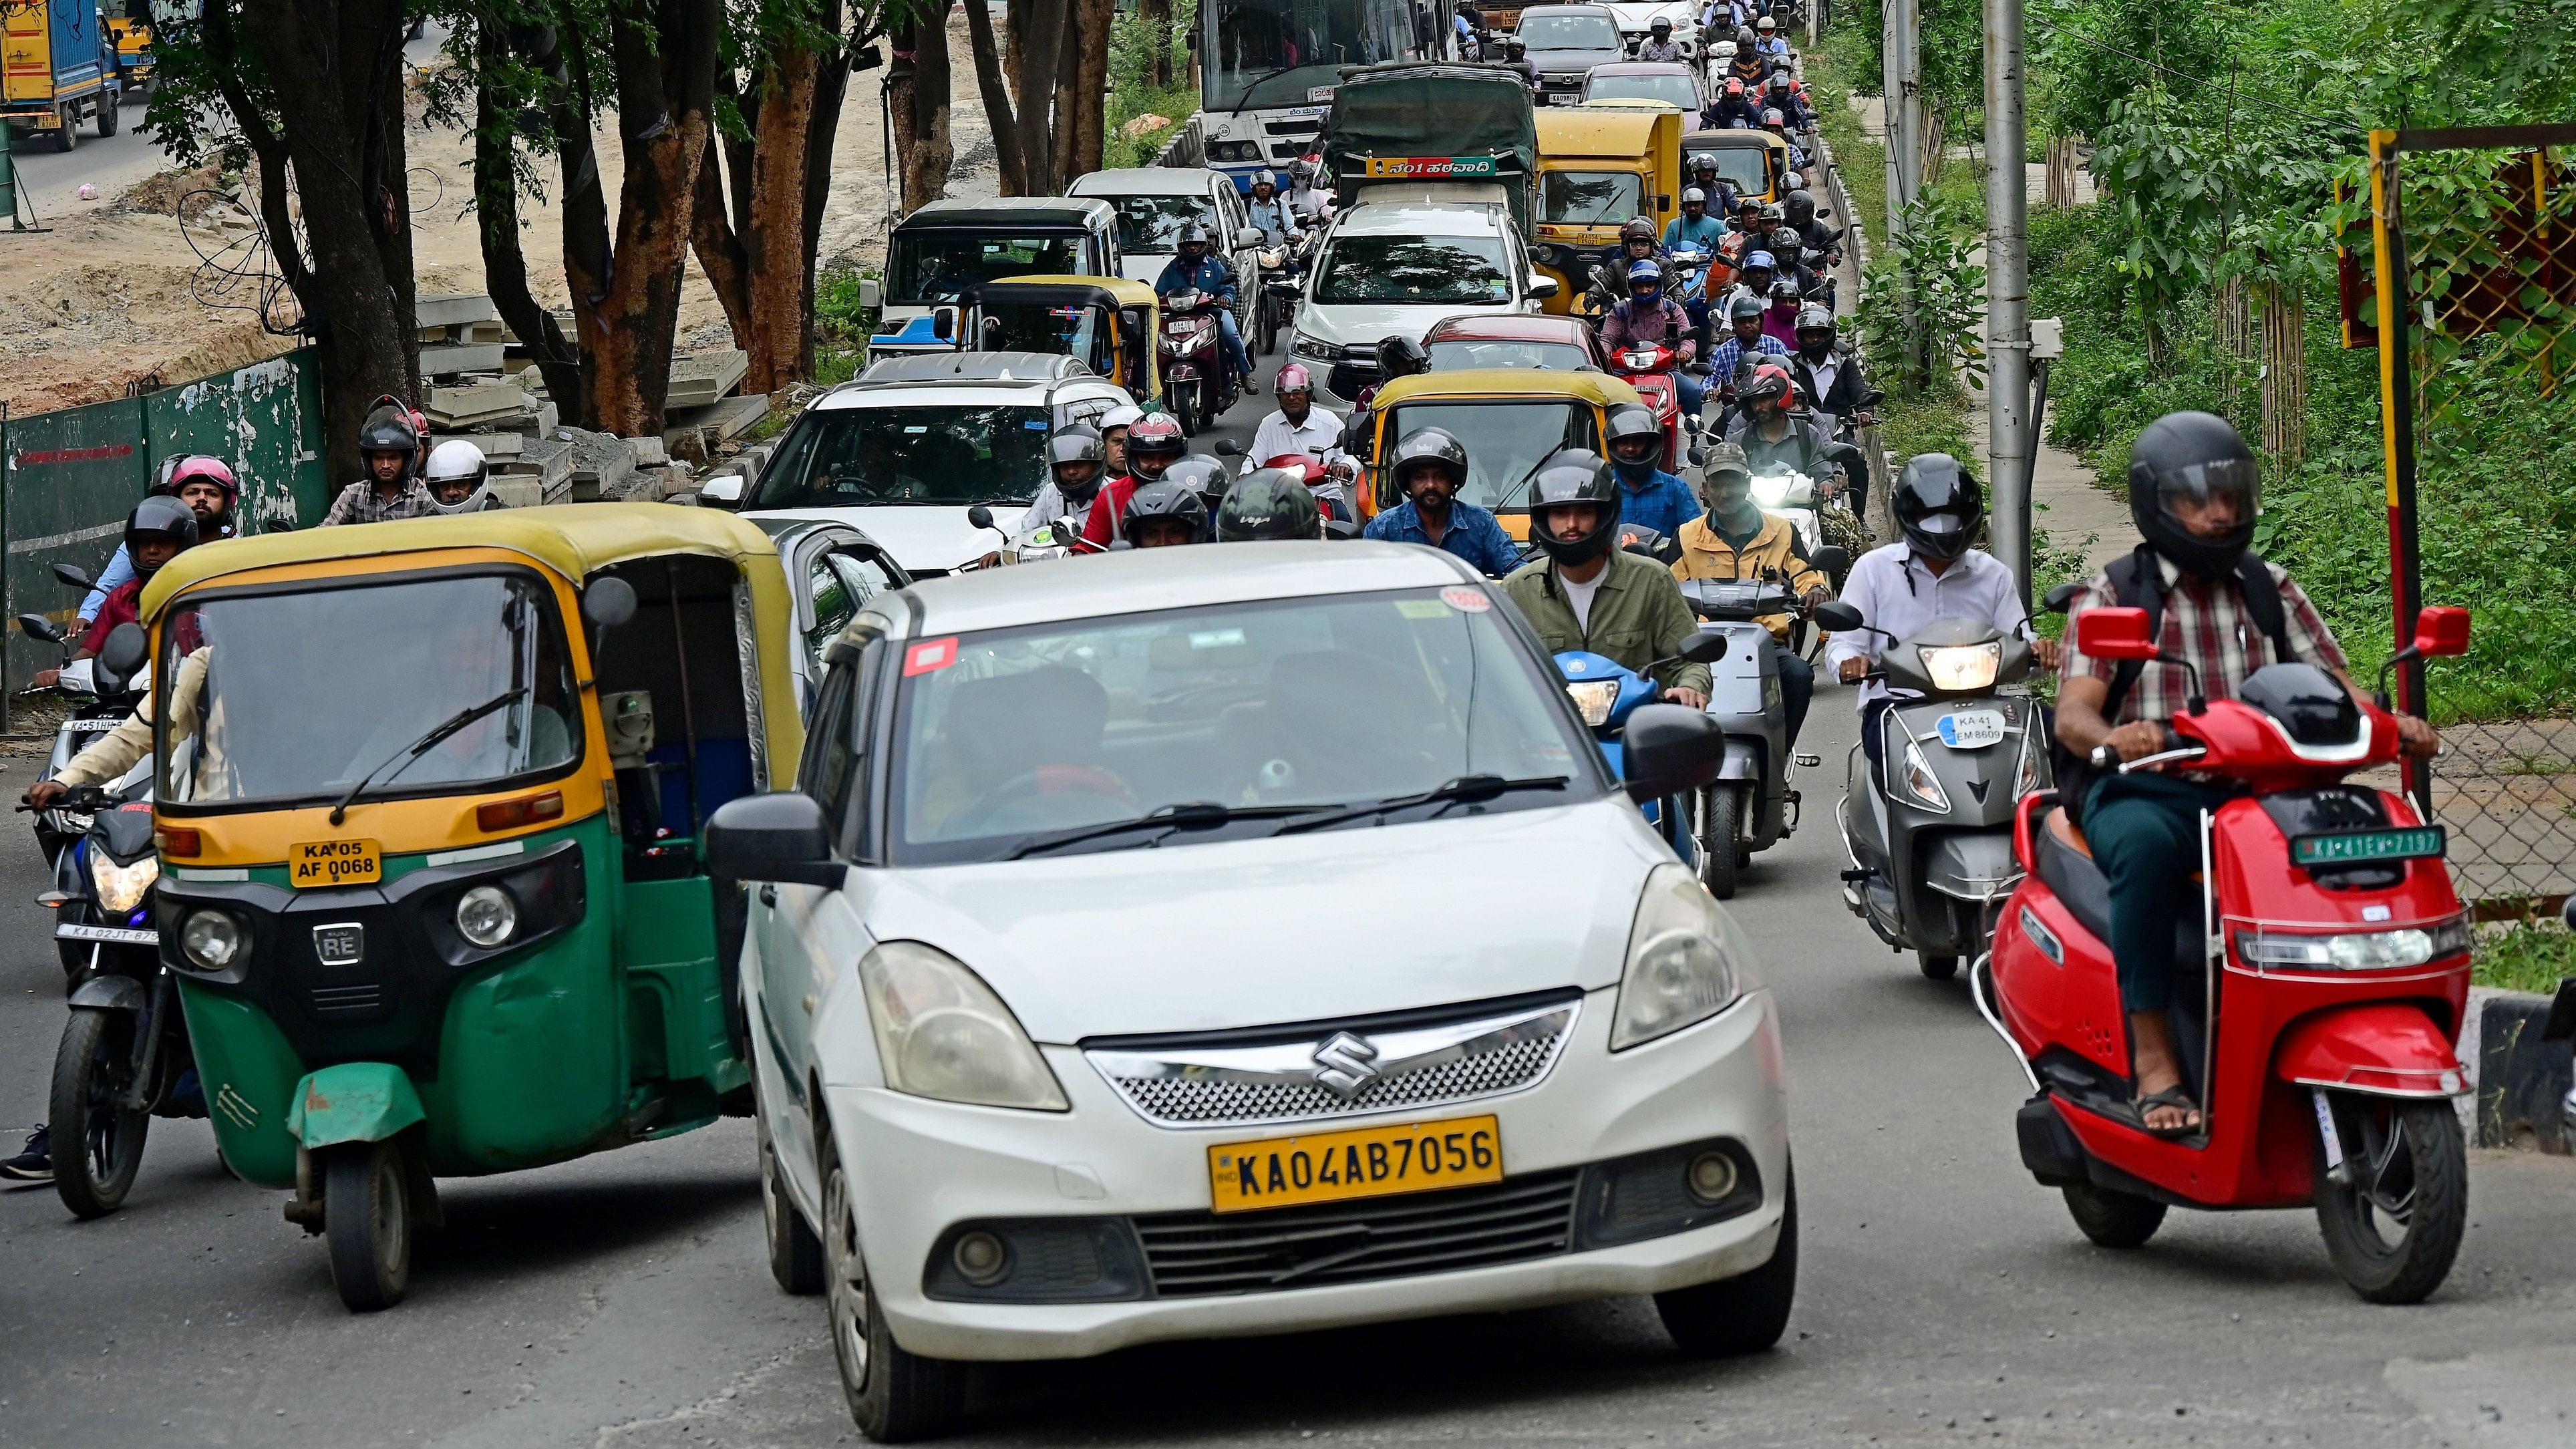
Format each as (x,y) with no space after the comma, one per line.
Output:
(2384,1049)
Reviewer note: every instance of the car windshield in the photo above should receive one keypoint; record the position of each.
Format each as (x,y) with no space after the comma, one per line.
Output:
(1150,226)
(1741,167)
(1008,737)
(1568,32)
(1672,89)
(298,696)
(1405,269)
(1274,52)
(1506,440)
(943,453)
(1451,354)
(939,266)
(1589,198)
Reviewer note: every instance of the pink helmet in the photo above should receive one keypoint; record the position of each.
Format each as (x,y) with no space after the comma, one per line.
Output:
(1293,378)
(211,469)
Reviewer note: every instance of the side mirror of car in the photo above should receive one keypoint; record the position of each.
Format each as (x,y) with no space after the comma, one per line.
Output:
(1541,286)
(2114,634)
(38,627)
(724,490)
(1837,616)
(783,836)
(1248,236)
(121,657)
(1669,748)
(74,577)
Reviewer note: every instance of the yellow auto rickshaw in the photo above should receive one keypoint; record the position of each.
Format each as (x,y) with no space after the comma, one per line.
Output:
(1509,418)
(1755,163)
(429,806)
(1113,324)
(1598,166)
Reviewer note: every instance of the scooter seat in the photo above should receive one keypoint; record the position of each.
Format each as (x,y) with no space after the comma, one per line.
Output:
(2066,866)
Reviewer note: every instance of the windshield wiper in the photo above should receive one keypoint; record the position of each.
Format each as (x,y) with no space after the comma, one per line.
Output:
(422,746)
(1465,790)
(1254,84)
(1168,819)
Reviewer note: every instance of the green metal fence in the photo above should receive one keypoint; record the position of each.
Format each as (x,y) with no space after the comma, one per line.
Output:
(68,478)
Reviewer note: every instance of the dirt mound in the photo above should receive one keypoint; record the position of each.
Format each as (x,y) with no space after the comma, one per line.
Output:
(187,194)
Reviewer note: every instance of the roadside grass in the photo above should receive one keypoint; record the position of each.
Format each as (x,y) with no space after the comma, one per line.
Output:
(2525,956)
(1131,44)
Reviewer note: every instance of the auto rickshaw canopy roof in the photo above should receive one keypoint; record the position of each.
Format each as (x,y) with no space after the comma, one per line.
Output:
(1599,389)
(1051,290)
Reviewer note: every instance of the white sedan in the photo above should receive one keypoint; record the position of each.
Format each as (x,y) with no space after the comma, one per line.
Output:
(1250,940)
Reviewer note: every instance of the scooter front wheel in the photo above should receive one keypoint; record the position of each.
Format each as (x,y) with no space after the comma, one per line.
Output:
(97,1141)
(1719,806)
(2394,1210)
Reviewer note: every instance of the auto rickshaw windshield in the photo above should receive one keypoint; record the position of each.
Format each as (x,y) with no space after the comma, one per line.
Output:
(422,686)
(1507,438)
(1064,329)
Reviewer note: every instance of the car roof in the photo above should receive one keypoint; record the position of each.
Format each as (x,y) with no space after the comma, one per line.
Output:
(1144,181)
(1009,211)
(964,367)
(1642,67)
(964,392)
(1131,582)
(1395,216)
(1509,327)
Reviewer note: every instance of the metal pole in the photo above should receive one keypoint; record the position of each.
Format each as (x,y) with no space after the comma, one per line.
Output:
(1901,83)
(2397,431)
(2007,293)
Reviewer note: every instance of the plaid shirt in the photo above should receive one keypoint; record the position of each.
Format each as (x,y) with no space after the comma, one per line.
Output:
(1730,354)
(358,503)
(2205,622)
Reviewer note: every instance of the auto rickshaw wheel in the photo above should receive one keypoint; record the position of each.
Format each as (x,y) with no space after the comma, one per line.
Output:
(795,1253)
(367,1223)
(895,1396)
(97,1141)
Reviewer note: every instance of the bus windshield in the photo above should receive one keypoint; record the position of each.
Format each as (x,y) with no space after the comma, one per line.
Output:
(1273,52)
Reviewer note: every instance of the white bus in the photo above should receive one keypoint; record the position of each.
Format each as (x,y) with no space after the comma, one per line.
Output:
(1267,70)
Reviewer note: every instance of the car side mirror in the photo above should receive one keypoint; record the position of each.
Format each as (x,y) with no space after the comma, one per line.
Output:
(2114,634)
(1249,236)
(38,627)
(2056,599)
(121,657)
(2441,631)
(1837,616)
(1668,748)
(1541,286)
(74,577)
(724,490)
(1833,558)
(782,836)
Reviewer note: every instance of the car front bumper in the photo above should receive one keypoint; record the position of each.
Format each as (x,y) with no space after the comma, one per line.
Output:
(923,1167)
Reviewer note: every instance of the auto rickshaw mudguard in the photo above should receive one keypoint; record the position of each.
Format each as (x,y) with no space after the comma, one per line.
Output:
(352,1102)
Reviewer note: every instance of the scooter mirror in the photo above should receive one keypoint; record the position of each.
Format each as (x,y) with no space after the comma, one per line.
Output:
(2441,631)
(73,576)
(2114,634)
(1698,457)
(121,657)
(1833,558)
(2056,599)
(1705,647)
(1837,616)
(1228,447)
(979,516)
(37,626)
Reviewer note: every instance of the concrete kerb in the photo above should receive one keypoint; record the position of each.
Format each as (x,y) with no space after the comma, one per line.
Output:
(2521,1083)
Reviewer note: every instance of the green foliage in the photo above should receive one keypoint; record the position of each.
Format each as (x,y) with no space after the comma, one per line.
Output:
(1131,94)
(1927,283)
(2526,956)
(842,324)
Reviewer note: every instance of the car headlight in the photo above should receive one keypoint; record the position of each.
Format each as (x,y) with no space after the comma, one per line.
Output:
(487,916)
(1593,699)
(1685,960)
(2356,950)
(1307,346)
(1769,489)
(121,887)
(1916,782)
(1963,666)
(942,1033)
(212,940)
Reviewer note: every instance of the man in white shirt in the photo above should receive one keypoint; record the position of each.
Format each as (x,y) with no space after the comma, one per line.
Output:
(1932,574)
(1298,426)
(1077,464)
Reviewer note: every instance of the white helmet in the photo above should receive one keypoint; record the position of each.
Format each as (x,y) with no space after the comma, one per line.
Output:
(1766,23)
(1120,417)
(454,462)
(1693,193)
(1266,176)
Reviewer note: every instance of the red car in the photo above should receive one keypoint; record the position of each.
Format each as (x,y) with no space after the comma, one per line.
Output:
(1532,340)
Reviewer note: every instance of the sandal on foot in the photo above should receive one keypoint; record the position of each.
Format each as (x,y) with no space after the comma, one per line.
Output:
(2173,1096)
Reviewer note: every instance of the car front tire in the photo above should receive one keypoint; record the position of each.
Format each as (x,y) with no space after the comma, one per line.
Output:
(1743,1314)
(895,1397)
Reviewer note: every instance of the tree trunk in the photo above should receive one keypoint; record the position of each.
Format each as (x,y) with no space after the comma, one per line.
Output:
(717,243)
(831,92)
(919,96)
(1007,136)
(1038,45)
(505,262)
(1157,18)
(2285,374)
(1087,118)
(775,238)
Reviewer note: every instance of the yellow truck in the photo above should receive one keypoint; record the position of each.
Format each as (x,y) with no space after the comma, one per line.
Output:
(1597,167)
(58,68)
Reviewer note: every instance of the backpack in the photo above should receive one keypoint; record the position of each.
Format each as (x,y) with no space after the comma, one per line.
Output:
(2138,583)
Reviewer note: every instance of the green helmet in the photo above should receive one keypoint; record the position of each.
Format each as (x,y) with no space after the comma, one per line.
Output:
(1268,503)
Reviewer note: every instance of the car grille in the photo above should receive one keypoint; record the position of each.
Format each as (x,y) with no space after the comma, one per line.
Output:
(1409,1063)
(1194,1255)
(1310,126)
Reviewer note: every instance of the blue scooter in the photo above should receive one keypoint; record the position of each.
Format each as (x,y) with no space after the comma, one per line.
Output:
(1605,694)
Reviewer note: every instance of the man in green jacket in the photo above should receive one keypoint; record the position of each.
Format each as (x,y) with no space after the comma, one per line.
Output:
(1584,592)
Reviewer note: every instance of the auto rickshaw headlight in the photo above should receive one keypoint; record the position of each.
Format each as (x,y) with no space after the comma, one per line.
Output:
(213,940)
(121,887)
(487,916)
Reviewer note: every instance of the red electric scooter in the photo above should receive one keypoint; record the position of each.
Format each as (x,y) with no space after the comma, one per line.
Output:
(1649,367)
(2319,986)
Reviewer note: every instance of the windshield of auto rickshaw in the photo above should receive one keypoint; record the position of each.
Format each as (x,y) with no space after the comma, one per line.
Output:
(1746,168)
(419,686)
(1506,438)
(1275,710)
(1068,329)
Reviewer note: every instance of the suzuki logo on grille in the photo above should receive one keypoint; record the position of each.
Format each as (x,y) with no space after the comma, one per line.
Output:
(341,944)
(1345,1063)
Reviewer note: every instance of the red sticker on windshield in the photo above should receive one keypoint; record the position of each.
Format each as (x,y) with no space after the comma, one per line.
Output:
(1466,599)
(928,655)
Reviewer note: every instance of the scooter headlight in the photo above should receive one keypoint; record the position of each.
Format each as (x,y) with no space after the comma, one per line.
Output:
(1686,960)
(1963,666)
(1593,699)
(2355,950)
(1770,490)
(1916,783)
(121,887)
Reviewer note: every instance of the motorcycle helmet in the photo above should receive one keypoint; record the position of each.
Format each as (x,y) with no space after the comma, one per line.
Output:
(1266,177)
(1153,444)
(1772,119)
(1783,290)
(1734,87)
(1637,228)
(1401,356)
(1293,378)
(1268,504)
(1760,261)
(1766,24)
(389,429)
(1193,234)
(1205,476)
(1693,196)
(1662,28)
(1798,209)
(1745,39)
(1938,505)
(1633,438)
(1435,447)
(456,466)
(1795,180)
(1786,241)
(162,519)
(1123,416)
(2191,460)
(1156,502)
(1771,384)
(1079,448)
(1814,318)
(203,468)
(1301,171)
(1571,476)
(1645,273)
(1745,307)
(1774,216)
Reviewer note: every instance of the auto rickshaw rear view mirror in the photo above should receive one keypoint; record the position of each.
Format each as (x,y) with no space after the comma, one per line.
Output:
(608,602)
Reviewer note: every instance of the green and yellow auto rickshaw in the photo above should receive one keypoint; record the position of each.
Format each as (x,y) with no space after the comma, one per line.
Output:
(1511,419)
(428,814)
(1112,324)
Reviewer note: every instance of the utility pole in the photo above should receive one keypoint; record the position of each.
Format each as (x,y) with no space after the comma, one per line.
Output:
(1901,86)
(2010,427)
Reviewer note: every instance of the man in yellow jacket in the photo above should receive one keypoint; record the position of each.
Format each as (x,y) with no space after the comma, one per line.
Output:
(1735,539)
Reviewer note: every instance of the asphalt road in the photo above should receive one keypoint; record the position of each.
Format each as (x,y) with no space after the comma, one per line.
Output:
(622,1301)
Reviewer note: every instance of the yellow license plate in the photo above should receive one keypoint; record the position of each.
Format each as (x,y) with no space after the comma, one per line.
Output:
(313,863)
(1362,1162)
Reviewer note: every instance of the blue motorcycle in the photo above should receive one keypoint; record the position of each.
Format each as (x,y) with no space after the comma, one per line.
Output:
(1605,694)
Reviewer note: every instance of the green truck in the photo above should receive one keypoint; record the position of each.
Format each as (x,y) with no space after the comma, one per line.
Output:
(1418,122)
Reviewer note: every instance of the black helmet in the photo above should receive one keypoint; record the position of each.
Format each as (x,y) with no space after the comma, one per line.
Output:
(1401,356)
(1938,505)
(1663,25)
(1077,443)
(1434,446)
(1205,476)
(1787,242)
(1703,161)
(1799,208)
(1194,232)
(1745,306)
(389,429)
(1155,436)
(163,517)
(1626,422)
(1636,228)
(1268,503)
(1574,475)
(1167,499)
(2193,457)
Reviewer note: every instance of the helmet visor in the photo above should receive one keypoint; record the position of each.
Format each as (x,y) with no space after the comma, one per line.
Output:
(2195,487)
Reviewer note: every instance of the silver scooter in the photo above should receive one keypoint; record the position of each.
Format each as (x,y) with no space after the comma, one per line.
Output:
(1752,805)
(1929,832)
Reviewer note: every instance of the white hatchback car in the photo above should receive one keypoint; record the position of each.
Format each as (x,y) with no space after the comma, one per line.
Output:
(1402,257)
(1104,990)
